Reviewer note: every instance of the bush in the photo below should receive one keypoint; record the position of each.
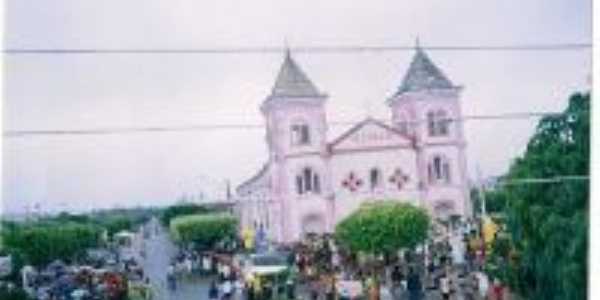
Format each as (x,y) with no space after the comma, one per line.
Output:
(179,210)
(115,224)
(40,244)
(204,230)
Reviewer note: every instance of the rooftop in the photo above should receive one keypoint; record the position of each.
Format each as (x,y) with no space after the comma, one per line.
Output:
(292,81)
(423,74)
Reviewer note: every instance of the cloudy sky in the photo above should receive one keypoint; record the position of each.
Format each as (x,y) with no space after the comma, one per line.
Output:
(131,90)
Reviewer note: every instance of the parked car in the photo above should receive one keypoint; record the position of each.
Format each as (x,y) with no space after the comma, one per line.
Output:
(272,269)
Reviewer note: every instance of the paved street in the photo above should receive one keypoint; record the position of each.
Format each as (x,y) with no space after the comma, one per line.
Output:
(159,250)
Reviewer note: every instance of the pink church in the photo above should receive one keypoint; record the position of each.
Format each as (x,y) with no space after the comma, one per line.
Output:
(311,181)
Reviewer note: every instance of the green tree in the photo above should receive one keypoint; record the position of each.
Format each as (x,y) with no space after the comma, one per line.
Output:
(177,210)
(383,228)
(548,223)
(495,201)
(205,231)
(40,244)
(13,294)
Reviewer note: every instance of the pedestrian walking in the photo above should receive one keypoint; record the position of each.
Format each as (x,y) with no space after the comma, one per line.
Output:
(482,284)
(206,265)
(226,289)
(414,285)
(213,291)
(396,276)
(290,290)
(249,291)
(445,283)
(470,290)
(497,290)
(226,269)
(239,289)
(171,280)
(314,291)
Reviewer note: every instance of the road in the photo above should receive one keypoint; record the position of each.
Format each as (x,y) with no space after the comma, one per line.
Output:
(159,250)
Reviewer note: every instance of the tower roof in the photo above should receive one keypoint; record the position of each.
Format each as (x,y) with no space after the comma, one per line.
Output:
(423,74)
(292,81)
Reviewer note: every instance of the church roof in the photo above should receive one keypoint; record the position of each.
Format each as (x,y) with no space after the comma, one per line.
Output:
(358,126)
(423,74)
(259,180)
(292,81)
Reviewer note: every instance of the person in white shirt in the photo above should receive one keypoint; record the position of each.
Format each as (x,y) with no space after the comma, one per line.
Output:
(206,264)
(188,266)
(445,283)
(239,288)
(226,271)
(483,284)
(226,289)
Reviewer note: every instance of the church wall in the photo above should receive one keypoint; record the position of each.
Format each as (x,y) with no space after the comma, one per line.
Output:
(455,190)
(360,163)
(308,204)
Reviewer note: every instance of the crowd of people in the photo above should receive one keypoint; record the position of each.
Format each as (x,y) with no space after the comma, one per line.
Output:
(317,269)
(107,278)
(222,269)
(435,269)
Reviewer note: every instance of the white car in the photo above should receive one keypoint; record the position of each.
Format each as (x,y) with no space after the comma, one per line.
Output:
(265,264)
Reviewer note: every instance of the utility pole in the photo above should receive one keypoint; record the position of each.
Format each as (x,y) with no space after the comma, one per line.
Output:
(481,192)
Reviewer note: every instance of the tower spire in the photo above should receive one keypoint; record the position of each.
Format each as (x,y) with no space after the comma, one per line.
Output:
(286,45)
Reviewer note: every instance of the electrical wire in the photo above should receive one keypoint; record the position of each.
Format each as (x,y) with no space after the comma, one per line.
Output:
(555,179)
(212,127)
(306,49)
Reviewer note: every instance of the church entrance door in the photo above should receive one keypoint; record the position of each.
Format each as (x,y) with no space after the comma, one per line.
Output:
(313,223)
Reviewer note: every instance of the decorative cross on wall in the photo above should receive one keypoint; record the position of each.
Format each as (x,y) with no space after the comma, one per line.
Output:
(399,178)
(352,182)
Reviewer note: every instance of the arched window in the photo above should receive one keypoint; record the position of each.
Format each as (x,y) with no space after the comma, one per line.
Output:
(375,178)
(439,170)
(442,122)
(308,181)
(437,123)
(431,123)
(300,133)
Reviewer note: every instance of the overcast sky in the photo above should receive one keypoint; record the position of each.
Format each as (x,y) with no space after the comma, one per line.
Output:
(125,90)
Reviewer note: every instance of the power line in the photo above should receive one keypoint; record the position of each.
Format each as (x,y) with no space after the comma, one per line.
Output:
(127,130)
(307,49)
(555,179)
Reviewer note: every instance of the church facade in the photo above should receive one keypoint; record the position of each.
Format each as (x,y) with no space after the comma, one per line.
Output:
(312,181)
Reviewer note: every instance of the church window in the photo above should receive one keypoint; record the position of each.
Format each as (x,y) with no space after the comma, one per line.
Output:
(300,134)
(439,170)
(437,167)
(316,184)
(431,123)
(299,186)
(308,181)
(437,123)
(375,178)
(442,122)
